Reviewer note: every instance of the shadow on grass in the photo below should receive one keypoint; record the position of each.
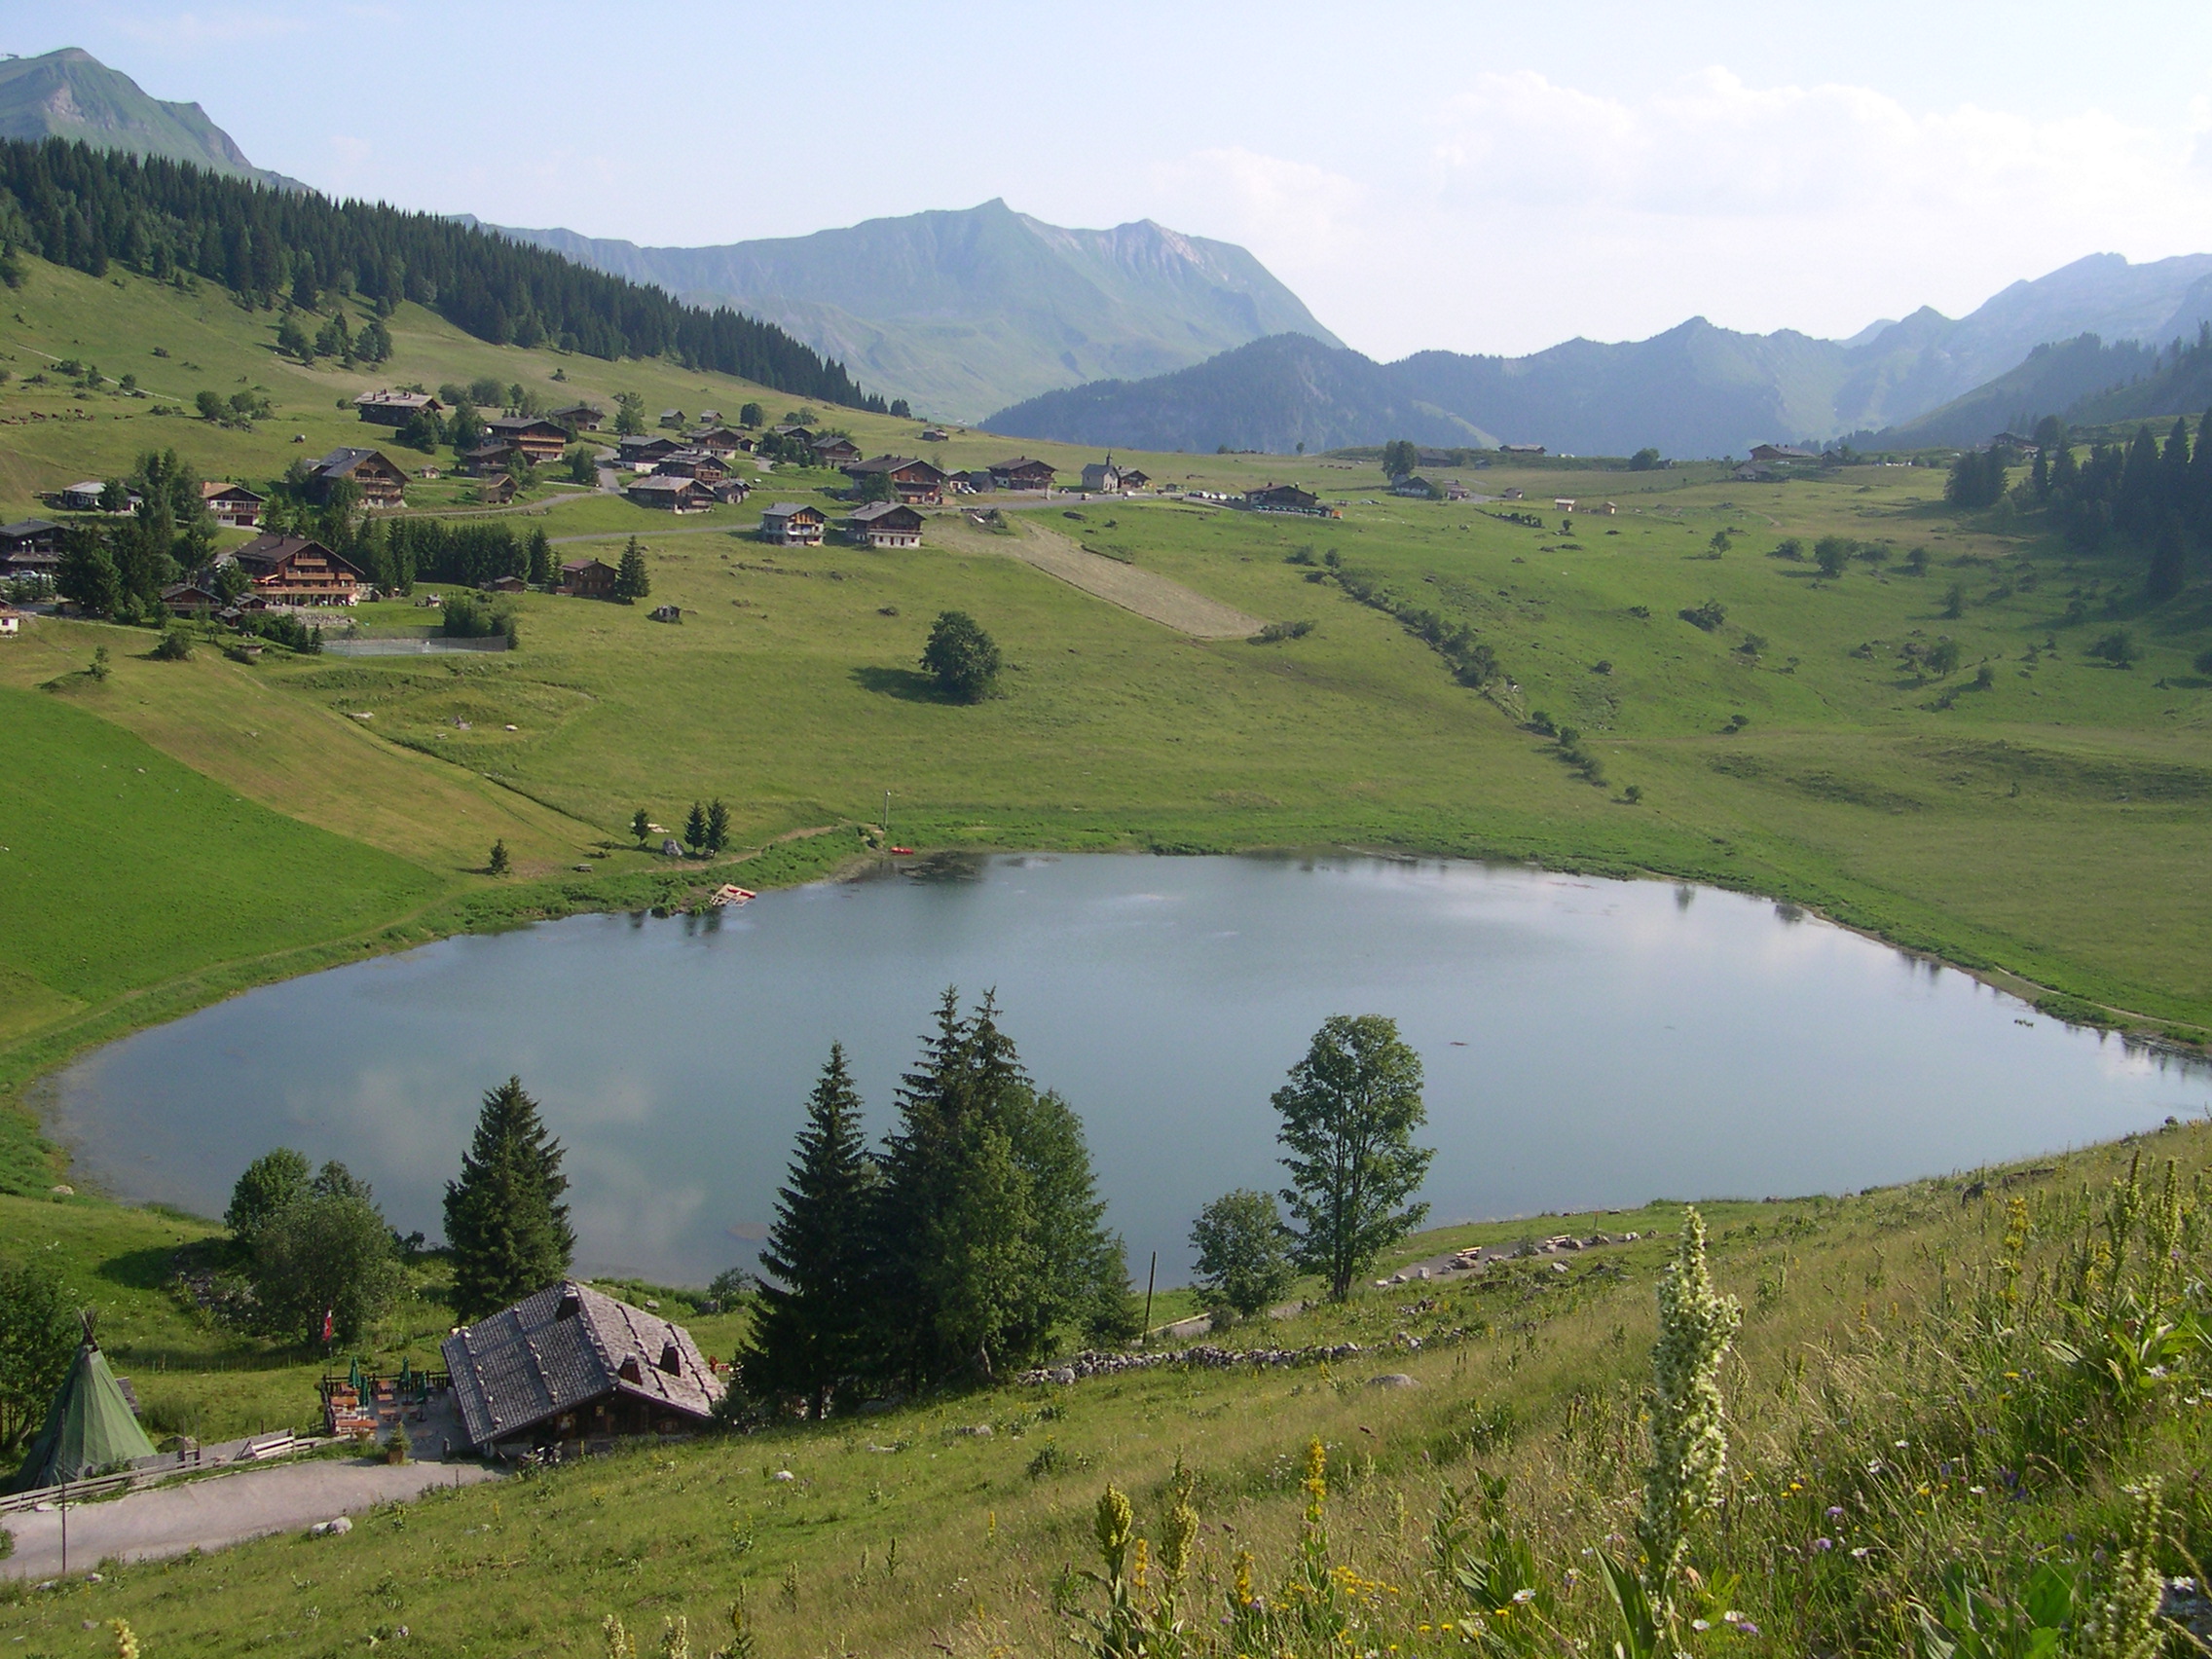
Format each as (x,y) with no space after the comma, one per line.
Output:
(909,686)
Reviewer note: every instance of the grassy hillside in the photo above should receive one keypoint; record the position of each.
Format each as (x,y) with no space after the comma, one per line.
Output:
(1888,1437)
(2046,827)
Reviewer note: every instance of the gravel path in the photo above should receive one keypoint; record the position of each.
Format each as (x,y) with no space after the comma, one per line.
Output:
(1145,592)
(211,1514)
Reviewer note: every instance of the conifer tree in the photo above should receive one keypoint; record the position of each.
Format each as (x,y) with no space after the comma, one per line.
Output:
(505,1226)
(540,558)
(640,825)
(989,1238)
(717,826)
(631,582)
(808,1339)
(695,828)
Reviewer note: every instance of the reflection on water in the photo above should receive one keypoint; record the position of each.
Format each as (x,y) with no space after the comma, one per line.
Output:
(1588,1043)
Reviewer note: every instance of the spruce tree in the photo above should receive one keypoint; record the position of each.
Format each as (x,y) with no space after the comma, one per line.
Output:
(989,1238)
(629,579)
(808,1338)
(540,558)
(695,828)
(506,1229)
(640,825)
(718,824)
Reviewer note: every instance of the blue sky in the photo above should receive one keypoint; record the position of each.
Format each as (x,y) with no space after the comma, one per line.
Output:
(1476,177)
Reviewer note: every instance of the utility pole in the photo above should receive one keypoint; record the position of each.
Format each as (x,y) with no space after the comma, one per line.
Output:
(887,818)
(1151,1274)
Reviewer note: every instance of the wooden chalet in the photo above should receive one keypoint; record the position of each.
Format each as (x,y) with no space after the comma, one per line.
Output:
(915,481)
(1286,499)
(935,435)
(495,489)
(1519,448)
(535,436)
(1772,453)
(505,584)
(693,463)
(395,407)
(732,488)
(885,524)
(82,496)
(830,449)
(588,578)
(573,1367)
(1135,478)
(641,454)
(579,417)
(804,434)
(1022,473)
(191,599)
(30,547)
(723,441)
(792,524)
(1413,484)
(234,504)
(11,621)
(383,481)
(670,493)
(489,459)
(291,570)
(670,417)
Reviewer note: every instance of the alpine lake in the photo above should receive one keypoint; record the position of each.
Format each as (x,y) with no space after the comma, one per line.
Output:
(1587,1044)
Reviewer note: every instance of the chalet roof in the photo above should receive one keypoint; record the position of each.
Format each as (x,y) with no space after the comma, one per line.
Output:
(1020,463)
(389,399)
(591,410)
(562,1348)
(491,450)
(660,485)
(785,509)
(521,424)
(211,490)
(23,529)
(893,463)
(571,566)
(342,462)
(875,510)
(265,555)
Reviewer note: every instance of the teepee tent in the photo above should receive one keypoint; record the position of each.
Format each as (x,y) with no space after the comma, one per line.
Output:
(89,1426)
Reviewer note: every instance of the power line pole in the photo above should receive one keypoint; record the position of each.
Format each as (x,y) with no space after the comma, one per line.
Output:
(1151,1274)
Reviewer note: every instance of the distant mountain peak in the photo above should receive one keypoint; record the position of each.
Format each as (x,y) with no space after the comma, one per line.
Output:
(69,93)
(962,310)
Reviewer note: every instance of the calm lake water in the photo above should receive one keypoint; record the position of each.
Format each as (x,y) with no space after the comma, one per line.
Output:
(1588,1044)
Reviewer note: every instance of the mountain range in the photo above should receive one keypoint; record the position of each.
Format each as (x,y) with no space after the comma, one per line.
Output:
(1142,337)
(1695,390)
(964,312)
(70,93)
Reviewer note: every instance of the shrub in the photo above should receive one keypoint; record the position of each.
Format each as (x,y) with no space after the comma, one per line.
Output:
(1708,616)
(1275,632)
(2117,647)
(174,645)
(961,657)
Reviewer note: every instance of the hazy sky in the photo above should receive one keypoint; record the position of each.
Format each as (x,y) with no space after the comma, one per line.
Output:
(1476,177)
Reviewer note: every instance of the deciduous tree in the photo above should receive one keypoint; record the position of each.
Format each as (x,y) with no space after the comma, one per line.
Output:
(38,1340)
(1242,1260)
(961,657)
(1348,1116)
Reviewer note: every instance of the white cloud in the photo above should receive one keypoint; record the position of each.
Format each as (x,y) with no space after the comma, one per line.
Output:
(1541,210)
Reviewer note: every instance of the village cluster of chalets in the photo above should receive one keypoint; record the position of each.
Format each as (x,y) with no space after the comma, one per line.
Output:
(689,467)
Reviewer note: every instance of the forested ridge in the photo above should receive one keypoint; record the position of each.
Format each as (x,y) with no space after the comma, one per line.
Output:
(86,209)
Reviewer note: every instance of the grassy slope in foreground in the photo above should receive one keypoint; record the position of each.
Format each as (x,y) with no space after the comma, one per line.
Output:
(1855,1415)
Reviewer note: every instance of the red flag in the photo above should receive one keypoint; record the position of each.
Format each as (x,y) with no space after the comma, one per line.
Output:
(327,1327)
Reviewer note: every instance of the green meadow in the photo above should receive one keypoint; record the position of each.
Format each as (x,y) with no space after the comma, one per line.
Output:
(2035,813)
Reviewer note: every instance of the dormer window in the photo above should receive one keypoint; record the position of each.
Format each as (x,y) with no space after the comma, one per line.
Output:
(630,1371)
(671,1361)
(570,1305)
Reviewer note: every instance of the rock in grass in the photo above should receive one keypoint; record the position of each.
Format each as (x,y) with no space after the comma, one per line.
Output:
(1393,1380)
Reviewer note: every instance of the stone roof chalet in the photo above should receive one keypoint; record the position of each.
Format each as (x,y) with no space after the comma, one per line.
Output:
(568,1346)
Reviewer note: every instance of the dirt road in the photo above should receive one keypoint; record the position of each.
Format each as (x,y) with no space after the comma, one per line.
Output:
(1147,593)
(210,1514)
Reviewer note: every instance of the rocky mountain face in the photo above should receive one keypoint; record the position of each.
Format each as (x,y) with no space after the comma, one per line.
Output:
(961,312)
(70,93)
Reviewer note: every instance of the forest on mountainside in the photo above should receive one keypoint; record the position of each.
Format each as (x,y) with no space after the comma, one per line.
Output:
(86,209)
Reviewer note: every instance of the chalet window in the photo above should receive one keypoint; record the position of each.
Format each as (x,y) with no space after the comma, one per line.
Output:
(570,1305)
(630,1371)
(671,1361)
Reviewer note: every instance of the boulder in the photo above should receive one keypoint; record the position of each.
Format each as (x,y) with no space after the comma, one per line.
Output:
(1393,1380)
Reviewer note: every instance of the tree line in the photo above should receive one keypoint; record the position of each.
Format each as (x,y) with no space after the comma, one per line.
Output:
(973,1241)
(86,208)
(2140,495)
